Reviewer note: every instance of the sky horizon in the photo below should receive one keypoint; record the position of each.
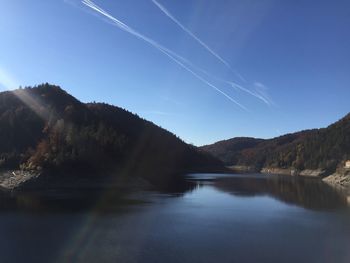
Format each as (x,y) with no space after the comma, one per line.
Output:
(202,70)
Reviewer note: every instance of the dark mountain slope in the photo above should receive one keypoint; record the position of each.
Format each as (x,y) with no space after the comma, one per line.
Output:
(44,128)
(324,148)
(228,150)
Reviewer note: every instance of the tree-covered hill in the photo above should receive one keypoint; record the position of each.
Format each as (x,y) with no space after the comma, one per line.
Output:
(44,128)
(228,150)
(325,149)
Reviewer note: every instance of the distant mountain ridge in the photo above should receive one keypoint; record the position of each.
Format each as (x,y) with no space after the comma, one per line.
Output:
(45,129)
(326,149)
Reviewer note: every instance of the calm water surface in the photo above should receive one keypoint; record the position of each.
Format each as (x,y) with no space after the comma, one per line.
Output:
(220,218)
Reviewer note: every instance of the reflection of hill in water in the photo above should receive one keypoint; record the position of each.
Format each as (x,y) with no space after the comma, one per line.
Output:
(72,200)
(304,192)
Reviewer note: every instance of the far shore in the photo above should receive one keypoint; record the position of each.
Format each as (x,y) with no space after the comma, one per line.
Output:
(339,179)
(18,179)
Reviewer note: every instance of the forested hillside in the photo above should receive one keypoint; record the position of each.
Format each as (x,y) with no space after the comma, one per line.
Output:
(43,128)
(325,148)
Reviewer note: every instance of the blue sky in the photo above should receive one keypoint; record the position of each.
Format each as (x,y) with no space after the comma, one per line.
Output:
(293,58)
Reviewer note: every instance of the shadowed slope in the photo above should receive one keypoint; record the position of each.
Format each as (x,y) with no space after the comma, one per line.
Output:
(46,129)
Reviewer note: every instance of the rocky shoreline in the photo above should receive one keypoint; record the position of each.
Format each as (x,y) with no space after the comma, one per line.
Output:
(10,180)
(339,179)
(15,179)
(242,169)
(294,172)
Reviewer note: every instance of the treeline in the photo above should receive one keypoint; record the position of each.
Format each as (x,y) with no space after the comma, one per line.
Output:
(44,128)
(325,148)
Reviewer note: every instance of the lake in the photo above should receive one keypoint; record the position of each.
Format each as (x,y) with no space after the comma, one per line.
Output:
(218,218)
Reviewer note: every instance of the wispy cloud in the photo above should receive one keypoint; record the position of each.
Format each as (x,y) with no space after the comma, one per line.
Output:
(203,44)
(262,91)
(207,82)
(169,100)
(170,54)
(156,112)
(261,97)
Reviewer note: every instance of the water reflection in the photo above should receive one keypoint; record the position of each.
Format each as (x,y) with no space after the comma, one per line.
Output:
(210,218)
(68,201)
(305,192)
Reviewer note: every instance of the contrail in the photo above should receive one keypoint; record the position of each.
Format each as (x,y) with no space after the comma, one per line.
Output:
(169,15)
(235,85)
(172,55)
(231,83)
(206,82)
